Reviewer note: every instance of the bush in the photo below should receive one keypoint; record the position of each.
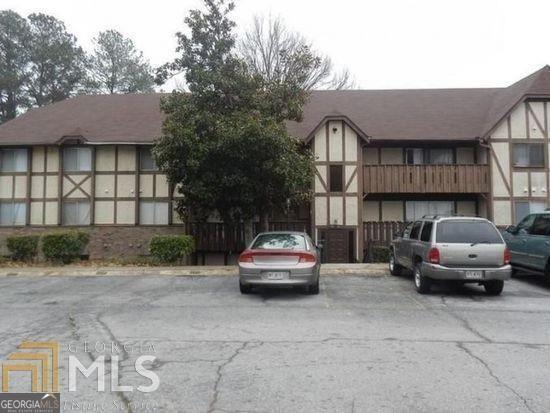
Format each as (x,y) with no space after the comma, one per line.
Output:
(171,248)
(380,254)
(23,247)
(64,247)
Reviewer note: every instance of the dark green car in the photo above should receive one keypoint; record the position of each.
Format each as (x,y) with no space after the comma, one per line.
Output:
(529,243)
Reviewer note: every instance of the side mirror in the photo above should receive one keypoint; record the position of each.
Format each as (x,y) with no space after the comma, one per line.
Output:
(512,229)
(319,245)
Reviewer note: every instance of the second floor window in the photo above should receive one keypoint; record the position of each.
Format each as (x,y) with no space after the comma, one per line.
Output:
(13,160)
(419,156)
(336,183)
(77,159)
(528,155)
(146,160)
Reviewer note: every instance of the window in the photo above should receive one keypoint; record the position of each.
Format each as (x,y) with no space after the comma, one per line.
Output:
(415,229)
(146,160)
(76,213)
(414,156)
(336,178)
(440,156)
(541,225)
(153,213)
(524,208)
(426,231)
(13,160)
(528,155)
(77,159)
(407,230)
(526,224)
(280,241)
(13,213)
(419,156)
(467,232)
(417,209)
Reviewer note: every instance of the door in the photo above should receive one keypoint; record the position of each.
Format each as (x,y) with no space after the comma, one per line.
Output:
(337,245)
(538,242)
(409,244)
(400,244)
(517,241)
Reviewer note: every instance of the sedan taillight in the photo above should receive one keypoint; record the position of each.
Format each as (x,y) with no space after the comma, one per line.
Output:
(507,256)
(433,256)
(306,257)
(246,256)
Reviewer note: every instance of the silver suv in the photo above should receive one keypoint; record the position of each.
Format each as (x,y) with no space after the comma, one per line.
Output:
(464,249)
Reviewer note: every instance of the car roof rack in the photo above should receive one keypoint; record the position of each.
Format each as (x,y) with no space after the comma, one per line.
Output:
(442,216)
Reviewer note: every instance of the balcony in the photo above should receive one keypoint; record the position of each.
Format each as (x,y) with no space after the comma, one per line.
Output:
(424,179)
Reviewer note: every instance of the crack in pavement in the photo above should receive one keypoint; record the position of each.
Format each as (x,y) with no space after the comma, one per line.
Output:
(522,399)
(464,321)
(219,375)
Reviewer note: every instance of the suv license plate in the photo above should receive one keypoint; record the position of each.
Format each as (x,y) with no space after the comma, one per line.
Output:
(276,275)
(473,274)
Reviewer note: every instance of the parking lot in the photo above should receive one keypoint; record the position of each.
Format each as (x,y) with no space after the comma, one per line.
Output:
(363,344)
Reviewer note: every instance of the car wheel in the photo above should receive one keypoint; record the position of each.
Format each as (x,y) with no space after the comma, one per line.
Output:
(494,287)
(312,289)
(245,288)
(423,284)
(395,269)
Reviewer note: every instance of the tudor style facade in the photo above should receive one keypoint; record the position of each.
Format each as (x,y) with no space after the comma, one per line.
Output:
(382,158)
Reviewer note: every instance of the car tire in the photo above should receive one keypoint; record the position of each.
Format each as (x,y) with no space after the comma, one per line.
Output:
(395,269)
(245,288)
(422,284)
(494,287)
(312,289)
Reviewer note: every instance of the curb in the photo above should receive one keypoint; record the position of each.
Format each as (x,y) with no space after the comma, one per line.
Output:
(364,270)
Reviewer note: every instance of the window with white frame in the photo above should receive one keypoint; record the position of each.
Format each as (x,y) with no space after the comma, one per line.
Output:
(13,160)
(76,212)
(528,155)
(76,159)
(13,213)
(524,208)
(417,209)
(146,160)
(153,212)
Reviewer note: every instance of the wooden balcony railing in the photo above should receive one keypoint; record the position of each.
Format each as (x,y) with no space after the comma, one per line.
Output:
(464,179)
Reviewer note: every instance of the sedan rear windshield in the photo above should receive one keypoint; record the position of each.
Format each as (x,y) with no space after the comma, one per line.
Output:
(467,232)
(280,241)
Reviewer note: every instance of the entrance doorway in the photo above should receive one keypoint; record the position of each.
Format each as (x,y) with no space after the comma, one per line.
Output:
(338,244)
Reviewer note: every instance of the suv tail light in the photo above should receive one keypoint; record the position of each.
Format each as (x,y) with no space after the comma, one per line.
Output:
(433,256)
(507,256)
(246,256)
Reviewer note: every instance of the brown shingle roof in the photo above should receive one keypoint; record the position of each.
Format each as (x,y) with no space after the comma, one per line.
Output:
(415,114)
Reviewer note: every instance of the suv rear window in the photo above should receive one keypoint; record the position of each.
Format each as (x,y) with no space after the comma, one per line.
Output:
(467,232)
(280,241)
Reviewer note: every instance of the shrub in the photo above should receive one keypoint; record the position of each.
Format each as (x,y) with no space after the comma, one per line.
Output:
(23,247)
(380,254)
(65,246)
(171,248)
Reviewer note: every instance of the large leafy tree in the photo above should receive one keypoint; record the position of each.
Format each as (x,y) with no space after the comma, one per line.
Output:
(116,66)
(57,63)
(14,61)
(224,141)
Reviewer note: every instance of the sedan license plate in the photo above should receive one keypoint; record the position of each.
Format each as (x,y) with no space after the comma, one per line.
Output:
(473,275)
(276,275)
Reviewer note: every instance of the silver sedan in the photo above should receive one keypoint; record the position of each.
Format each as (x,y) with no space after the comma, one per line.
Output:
(280,259)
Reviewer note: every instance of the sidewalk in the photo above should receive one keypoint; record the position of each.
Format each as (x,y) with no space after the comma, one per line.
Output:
(368,270)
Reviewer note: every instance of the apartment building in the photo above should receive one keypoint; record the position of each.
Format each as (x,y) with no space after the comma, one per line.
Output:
(383,157)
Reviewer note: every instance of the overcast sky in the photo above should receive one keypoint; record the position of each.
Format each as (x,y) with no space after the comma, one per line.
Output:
(386,44)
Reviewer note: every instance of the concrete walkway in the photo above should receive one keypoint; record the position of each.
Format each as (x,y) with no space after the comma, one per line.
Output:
(370,270)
